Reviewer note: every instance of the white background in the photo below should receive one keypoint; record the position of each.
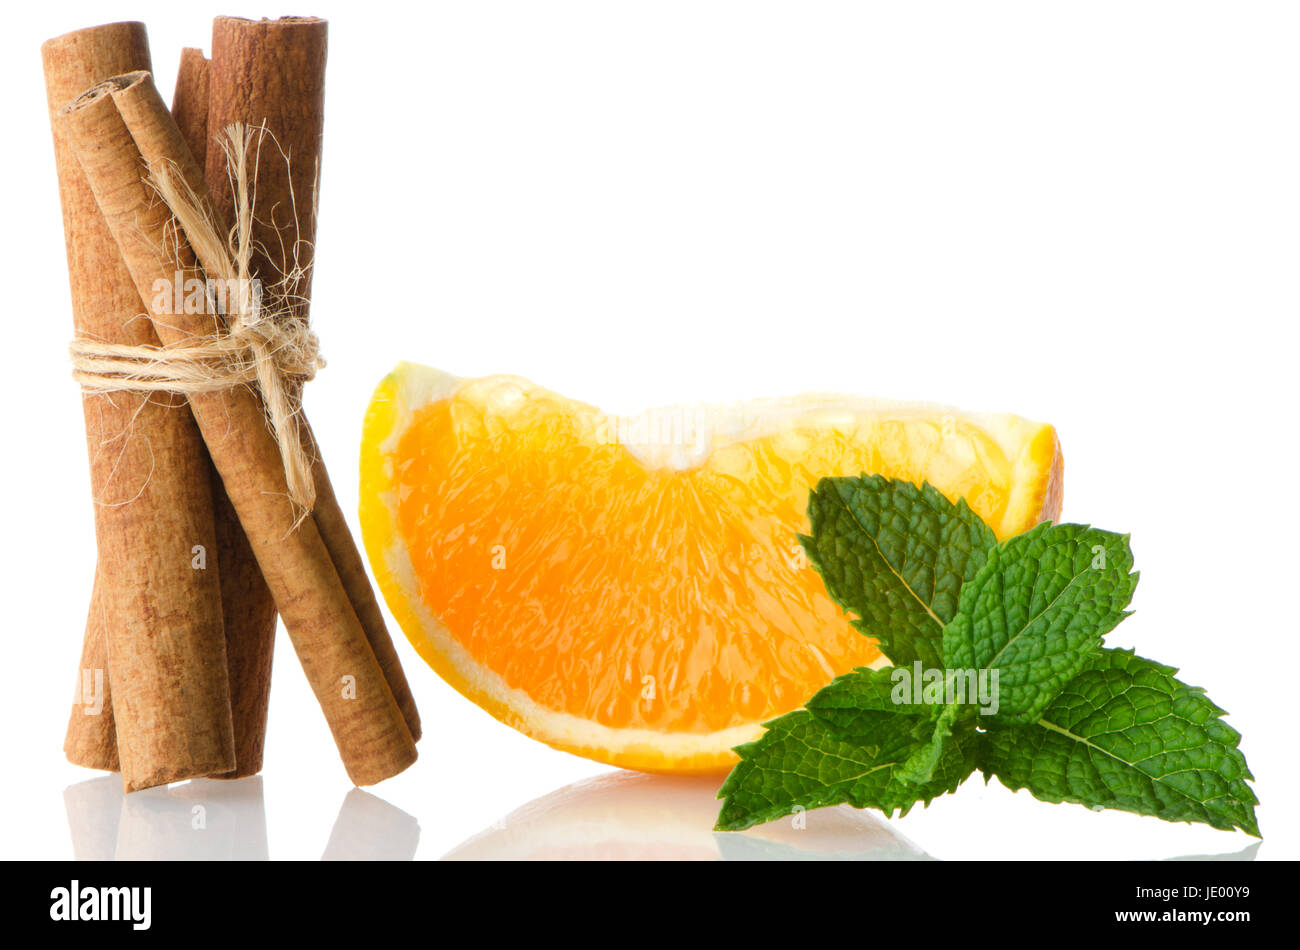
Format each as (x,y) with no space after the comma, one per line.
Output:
(1085,213)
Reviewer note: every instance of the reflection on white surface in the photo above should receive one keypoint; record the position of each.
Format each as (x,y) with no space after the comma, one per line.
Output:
(202,820)
(1245,854)
(370,829)
(632,816)
(211,820)
(93,809)
(617,816)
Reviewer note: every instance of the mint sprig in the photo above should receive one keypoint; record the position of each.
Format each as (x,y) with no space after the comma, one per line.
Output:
(1069,720)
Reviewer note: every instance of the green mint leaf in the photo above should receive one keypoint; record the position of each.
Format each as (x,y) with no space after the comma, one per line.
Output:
(921,764)
(1126,734)
(1037,611)
(801,763)
(849,703)
(897,556)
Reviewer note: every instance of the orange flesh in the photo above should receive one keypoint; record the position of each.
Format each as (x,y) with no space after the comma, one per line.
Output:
(657,598)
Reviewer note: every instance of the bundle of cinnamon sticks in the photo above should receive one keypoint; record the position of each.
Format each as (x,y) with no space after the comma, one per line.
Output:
(200,543)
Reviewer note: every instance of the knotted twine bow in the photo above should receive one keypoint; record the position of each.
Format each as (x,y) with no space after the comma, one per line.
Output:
(265,345)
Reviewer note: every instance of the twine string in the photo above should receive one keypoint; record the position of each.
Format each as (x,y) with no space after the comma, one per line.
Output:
(263,344)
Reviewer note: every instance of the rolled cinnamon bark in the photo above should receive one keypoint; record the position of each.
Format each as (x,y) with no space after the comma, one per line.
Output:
(74,62)
(158,592)
(290,73)
(189,99)
(246,602)
(91,740)
(271,74)
(368,727)
(347,560)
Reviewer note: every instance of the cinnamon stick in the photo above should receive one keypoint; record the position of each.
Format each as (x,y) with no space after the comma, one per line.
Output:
(271,74)
(348,562)
(91,740)
(158,595)
(189,100)
(72,63)
(246,602)
(368,727)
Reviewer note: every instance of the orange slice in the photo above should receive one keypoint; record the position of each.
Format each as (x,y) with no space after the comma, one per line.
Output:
(632,589)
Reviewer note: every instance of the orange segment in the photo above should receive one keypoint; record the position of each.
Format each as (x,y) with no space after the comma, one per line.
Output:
(633,590)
